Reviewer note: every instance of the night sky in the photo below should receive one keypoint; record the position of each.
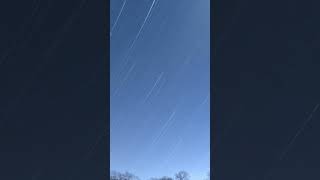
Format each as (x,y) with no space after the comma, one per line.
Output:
(266,73)
(53,90)
(160,95)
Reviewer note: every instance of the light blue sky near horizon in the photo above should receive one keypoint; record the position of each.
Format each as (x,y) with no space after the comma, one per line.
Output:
(160,79)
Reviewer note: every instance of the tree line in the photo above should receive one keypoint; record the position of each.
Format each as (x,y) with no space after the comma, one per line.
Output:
(181,175)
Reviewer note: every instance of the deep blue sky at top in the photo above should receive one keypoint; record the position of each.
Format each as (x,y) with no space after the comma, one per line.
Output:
(160,92)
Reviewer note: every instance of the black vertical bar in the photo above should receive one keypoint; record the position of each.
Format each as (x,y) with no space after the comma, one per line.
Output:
(213,120)
(54,90)
(107,159)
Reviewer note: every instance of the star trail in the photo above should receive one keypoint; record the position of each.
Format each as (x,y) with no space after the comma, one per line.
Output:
(160,69)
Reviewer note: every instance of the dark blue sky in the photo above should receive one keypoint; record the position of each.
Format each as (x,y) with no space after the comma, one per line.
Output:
(160,78)
(266,91)
(53,86)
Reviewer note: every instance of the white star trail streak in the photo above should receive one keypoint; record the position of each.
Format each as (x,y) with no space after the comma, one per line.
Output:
(126,57)
(298,132)
(142,26)
(205,100)
(174,149)
(117,19)
(161,104)
(157,136)
(293,139)
(169,122)
(161,86)
(163,130)
(189,122)
(125,79)
(154,85)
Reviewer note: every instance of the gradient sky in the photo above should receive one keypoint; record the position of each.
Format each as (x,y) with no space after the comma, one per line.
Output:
(160,73)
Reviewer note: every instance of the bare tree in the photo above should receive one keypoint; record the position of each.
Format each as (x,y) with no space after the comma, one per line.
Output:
(114,175)
(162,178)
(166,178)
(182,175)
(122,176)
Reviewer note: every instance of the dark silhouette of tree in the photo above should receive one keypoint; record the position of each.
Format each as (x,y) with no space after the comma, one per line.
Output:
(122,176)
(162,178)
(166,178)
(114,175)
(182,175)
